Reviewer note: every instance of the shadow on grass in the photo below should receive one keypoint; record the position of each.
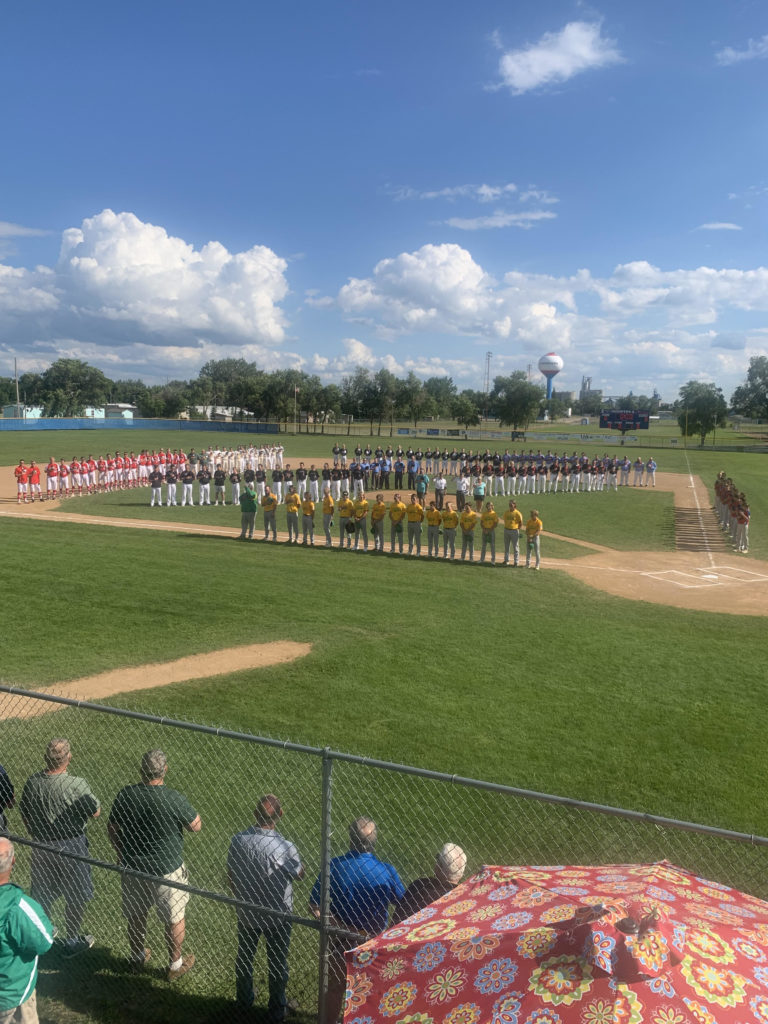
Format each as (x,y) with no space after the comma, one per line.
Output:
(99,987)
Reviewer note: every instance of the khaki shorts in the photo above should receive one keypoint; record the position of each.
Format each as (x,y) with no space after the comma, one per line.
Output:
(139,896)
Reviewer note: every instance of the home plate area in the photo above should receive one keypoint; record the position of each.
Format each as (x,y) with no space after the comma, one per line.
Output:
(711,576)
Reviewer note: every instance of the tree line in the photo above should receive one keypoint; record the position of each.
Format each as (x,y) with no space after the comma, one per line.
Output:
(69,386)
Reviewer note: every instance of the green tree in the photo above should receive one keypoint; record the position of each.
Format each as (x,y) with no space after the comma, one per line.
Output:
(701,408)
(464,410)
(69,385)
(131,391)
(356,395)
(751,397)
(414,400)
(386,397)
(329,402)
(443,391)
(30,389)
(515,401)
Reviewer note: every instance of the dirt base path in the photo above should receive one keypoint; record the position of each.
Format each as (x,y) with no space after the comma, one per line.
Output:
(146,677)
(703,574)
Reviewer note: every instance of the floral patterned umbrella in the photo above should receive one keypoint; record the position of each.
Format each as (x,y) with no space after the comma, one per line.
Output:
(618,944)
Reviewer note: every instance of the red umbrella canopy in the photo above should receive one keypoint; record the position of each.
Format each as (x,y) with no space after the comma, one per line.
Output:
(617,944)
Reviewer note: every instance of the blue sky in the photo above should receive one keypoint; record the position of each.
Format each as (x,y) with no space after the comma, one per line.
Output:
(406,185)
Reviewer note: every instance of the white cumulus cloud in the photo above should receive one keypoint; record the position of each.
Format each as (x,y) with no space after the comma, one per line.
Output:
(615,327)
(557,57)
(719,225)
(756,49)
(126,292)
(501,219)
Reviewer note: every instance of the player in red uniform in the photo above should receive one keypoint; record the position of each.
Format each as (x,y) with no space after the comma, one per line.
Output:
(22,482)
(77,476)
(64,480)
(52,472)
(34,481)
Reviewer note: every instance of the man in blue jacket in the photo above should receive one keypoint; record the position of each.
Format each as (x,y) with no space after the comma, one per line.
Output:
(25,934)
(361,889)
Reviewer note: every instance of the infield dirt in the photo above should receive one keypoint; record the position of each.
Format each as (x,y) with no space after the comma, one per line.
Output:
(706,576)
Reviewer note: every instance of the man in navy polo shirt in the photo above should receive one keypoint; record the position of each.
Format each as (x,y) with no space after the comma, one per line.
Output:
(362,888)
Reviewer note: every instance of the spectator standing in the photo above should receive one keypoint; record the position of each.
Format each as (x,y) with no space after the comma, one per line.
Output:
(146,827)
(55,808)
(7,798)
(450,864)
(361,890)
(261,867)
(25,934)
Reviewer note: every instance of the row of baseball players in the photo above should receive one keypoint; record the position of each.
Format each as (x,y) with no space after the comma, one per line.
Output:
(733,512)
(353,525)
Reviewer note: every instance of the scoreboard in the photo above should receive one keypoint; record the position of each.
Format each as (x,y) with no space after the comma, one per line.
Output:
(624,419)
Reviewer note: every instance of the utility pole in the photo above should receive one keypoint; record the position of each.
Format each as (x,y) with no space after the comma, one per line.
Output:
(486,384)
(16,375)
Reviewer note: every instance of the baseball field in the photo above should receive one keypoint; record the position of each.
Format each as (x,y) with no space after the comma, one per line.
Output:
(629,671)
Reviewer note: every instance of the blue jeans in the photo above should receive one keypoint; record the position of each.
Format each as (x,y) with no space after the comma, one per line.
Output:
(278,940)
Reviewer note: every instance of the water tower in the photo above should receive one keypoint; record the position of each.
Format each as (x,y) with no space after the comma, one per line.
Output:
(550,365)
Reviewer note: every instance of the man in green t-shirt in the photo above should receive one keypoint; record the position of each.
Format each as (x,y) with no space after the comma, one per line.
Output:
(55,808)
(146,827)
(247,513)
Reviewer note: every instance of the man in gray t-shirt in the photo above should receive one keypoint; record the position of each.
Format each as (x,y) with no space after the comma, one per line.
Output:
(261,866)
(56,807)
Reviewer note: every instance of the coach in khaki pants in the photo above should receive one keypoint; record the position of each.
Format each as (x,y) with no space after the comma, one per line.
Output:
(146,827)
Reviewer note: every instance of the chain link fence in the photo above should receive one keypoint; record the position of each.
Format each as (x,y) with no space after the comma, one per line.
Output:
(222,775)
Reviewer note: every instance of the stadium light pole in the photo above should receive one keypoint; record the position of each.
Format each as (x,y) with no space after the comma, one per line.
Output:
(295,393)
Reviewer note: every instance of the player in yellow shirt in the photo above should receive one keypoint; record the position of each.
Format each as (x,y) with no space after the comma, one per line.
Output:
(346,511)
(269,504)
(308,519)
(434,518)
(396,517)
(489,520)
(378,514)
(361,520)
(415,515)
(328,507)
(292,506)
(450,522)
(513,524)
(533,528)
(468,523)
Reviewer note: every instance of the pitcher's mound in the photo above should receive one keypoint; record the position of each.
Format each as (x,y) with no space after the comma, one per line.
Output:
(146,677)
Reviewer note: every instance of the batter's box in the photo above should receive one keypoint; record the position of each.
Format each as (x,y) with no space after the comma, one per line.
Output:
(737,572)
(682,579)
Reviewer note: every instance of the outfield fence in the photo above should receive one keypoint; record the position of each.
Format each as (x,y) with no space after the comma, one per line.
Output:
(223,774)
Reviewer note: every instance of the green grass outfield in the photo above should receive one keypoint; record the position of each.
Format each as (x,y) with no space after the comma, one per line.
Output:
(530,679)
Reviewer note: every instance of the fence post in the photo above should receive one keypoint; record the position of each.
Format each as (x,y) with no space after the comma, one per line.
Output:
(325,880)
